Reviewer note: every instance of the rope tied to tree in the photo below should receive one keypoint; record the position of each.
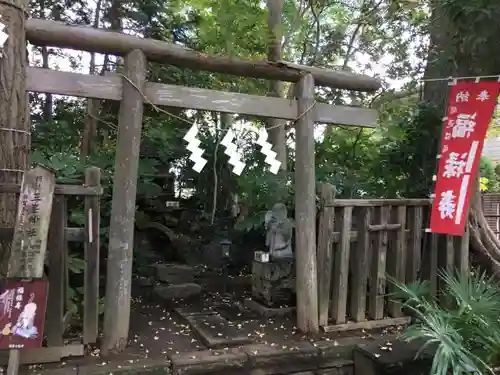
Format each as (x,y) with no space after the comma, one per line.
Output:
(15,6)
(12,170)
(27,132)
(21,131)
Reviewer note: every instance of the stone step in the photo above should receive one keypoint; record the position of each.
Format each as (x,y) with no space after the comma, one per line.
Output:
(177,291)
(322,358)
(236,312)
(392,357)
(328,357)
(216,331)
(174,273)
(266,311)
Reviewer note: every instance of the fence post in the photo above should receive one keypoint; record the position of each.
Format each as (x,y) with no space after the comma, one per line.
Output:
(121,227)
(305,208)
(57,247)
(449,255)
(432,266)
(325,250)
(377,288)
(341,268)
(462,252)
(360,266)
(396,264)
(92,246)
(414,259)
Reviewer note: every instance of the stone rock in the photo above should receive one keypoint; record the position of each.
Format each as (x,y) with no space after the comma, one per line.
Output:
(212,254)
(144,282)
(170,292)
(210,362)
(401,359)
(273,283)
(174,273)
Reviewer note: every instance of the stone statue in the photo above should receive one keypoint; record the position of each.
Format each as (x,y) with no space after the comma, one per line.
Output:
(279,232)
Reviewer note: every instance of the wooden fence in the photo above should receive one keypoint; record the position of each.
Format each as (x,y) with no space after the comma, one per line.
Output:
(360,242)
(58,313)
(491,208)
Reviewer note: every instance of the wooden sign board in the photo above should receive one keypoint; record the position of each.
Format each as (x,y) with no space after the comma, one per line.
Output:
(32,224)
(30,234)
(22,313)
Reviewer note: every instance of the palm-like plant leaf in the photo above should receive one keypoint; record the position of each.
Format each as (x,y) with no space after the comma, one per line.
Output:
(411,294)
(476,292)
(465,330)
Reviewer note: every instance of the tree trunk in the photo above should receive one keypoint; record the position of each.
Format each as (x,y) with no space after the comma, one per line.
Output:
(440,63)
(483,241)
(47,105)
(276,126)
(93,105)
(14,114)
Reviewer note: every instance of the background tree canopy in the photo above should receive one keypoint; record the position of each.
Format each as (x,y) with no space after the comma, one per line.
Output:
(400,41)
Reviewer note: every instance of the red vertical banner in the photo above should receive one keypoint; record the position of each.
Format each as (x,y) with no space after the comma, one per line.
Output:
(469,112)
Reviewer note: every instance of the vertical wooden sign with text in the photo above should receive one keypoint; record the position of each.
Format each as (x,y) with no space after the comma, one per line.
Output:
(30,234)
(32,224)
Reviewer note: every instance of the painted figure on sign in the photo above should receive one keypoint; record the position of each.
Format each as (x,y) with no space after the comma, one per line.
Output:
(25,325)
(6,331)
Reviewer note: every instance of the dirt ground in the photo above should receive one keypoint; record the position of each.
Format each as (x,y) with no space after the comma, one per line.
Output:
(158,332)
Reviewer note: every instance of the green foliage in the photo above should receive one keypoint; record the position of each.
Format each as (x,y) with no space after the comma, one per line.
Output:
(483,181)
(396,159)
(463,327)
(489,176)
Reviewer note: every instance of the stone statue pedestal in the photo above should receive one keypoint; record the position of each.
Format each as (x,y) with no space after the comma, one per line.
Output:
(273,283)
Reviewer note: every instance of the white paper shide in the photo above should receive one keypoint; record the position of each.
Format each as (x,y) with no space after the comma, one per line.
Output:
(232,152)
(194,143)
(3,37)
(231,149)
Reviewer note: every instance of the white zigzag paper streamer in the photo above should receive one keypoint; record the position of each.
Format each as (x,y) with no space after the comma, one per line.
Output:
(3,37)
(232,151)
(266,148)
(274,165)
(194,146)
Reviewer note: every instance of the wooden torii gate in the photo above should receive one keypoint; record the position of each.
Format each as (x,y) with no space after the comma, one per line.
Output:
(132,90)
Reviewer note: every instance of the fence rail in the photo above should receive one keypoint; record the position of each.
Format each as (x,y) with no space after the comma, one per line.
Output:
(59,189)
(361,243)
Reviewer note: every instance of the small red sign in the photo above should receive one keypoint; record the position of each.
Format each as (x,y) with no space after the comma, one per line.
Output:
(469,113)
(22,313)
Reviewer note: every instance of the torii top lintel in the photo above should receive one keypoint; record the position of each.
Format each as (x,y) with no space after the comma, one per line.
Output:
(58,34)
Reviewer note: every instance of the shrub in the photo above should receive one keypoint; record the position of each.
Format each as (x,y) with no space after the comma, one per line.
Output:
(463,323)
